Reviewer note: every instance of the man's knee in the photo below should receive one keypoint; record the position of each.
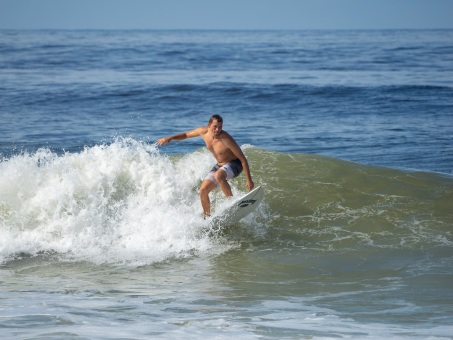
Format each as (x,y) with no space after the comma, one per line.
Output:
(206,187)
(220,176)
(204,191)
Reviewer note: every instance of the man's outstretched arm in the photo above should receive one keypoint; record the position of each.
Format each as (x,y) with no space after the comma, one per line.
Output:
(181,136)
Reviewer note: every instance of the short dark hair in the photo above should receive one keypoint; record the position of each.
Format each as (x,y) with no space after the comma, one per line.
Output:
(217,118)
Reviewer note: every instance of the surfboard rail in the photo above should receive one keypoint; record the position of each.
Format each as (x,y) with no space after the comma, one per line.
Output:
(239,208)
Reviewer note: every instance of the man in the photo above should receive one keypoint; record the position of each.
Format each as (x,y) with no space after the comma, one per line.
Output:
(230,159)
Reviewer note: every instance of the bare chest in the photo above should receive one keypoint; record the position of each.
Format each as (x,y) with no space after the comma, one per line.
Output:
(216,146)
(219,150)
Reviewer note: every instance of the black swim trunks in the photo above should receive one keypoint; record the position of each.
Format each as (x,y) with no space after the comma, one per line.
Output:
(232,169)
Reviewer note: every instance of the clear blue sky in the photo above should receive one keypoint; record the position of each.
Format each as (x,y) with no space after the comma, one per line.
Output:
(225,14)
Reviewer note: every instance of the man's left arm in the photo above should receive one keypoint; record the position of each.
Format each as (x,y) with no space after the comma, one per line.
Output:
(234,147)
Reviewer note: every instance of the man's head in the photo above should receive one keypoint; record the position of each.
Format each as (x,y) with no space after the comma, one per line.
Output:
(218,118)
(215,124)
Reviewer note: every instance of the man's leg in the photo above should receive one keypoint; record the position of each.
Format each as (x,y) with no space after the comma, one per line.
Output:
(221,178)
(206,187)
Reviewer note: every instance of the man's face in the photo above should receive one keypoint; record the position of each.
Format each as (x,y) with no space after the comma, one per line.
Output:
(216,127)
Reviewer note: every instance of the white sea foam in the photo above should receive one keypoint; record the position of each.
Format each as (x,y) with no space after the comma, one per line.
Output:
(118,203)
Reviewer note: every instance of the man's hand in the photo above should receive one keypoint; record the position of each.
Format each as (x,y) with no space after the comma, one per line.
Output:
(163,141)
(250,185)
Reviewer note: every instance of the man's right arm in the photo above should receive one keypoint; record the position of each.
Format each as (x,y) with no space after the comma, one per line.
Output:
(181,136)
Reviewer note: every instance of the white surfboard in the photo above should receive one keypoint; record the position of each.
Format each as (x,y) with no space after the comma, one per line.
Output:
(239,208)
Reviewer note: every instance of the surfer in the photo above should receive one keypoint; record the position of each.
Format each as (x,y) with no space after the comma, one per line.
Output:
(230,159)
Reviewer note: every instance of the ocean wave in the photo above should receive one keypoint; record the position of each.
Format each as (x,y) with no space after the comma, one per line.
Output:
(128,203)
(118,203)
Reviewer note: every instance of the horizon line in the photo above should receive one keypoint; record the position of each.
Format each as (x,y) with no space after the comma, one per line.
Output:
(225,29)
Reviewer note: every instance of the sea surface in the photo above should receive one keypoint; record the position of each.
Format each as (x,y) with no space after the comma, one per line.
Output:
(349,132)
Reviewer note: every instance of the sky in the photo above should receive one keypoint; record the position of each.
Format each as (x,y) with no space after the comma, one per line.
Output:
(226,14)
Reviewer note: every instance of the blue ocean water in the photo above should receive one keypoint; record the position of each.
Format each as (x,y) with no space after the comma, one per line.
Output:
(349,132)
(374,97)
